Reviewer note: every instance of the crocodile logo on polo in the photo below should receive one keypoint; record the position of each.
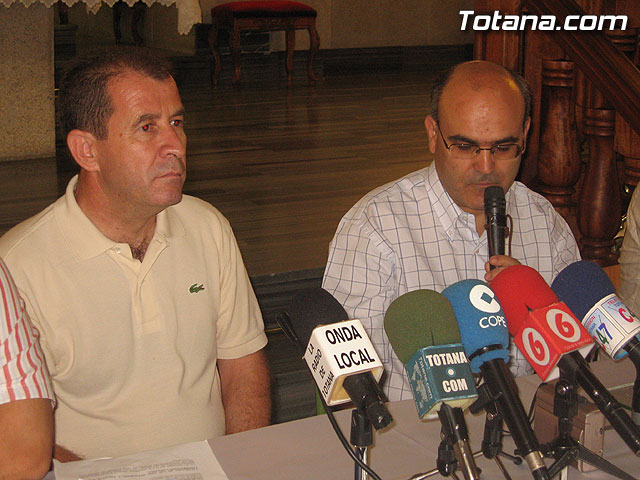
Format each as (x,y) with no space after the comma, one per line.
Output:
(195,288)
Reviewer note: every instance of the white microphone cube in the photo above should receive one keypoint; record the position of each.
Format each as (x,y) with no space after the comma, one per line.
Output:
(336,351)
(612,325)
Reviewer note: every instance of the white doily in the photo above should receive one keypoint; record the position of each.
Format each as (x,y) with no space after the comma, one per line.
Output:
(189,12)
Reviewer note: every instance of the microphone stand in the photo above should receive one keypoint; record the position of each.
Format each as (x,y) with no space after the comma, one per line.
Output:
(635,401)
(633,349)
(361,438)
(565,449)
(446,462)
(492,440)
(454,450)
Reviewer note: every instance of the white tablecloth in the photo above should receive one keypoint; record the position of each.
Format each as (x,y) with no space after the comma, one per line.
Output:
(308,449)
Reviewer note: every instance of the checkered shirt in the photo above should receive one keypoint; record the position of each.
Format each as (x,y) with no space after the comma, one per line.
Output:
(409,235)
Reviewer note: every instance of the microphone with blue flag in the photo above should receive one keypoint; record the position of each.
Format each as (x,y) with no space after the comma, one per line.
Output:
(586,289)
(485,338)
(422,329)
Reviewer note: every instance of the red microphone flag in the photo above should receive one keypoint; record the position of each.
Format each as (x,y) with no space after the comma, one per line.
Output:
(543,328)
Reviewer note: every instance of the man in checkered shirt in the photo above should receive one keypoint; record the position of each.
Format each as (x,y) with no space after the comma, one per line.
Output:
(426,230)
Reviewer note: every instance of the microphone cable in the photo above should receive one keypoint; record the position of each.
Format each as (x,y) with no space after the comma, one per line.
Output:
(343,440)
(284,322)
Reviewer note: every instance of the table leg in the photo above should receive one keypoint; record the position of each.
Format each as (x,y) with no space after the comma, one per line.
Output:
(213,45)
(137,23)
(117,14)
(314,46)
(291,46)
(235,54)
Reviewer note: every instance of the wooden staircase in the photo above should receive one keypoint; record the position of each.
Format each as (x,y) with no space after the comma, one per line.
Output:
(584,150)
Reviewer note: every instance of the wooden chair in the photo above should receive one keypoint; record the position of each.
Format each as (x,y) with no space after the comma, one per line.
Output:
(263,16)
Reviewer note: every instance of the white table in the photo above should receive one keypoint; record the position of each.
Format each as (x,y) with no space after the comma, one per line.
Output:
(308,449)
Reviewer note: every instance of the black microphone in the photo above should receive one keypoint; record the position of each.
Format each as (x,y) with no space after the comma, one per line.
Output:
(485,339)
(549,335)
(339,354)
(423,331)
(496,219)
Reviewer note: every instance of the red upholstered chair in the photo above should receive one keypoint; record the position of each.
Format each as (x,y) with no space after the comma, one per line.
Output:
(263,16)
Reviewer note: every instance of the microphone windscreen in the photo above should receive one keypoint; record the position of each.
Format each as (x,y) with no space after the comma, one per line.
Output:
(311,307)
(494,197)
(581,285)
(420,319)
(481,321)
(520,289)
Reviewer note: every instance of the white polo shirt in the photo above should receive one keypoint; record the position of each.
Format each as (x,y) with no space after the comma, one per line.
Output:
(132,346)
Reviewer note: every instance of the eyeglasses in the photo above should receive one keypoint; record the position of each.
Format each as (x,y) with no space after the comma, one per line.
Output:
(467,151)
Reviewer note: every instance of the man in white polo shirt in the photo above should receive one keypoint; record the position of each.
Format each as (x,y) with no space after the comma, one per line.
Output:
(150,327)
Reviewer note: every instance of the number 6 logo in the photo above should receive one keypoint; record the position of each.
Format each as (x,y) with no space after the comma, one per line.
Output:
(563,325)
(535,346)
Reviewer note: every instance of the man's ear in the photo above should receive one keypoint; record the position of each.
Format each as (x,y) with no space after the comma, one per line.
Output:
(432,132)
(82,146)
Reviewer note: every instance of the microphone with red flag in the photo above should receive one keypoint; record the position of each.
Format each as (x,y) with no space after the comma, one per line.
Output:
(543,328)
(548,334)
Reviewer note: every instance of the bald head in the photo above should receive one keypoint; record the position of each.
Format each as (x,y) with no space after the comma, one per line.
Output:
(478,77)
(484,105)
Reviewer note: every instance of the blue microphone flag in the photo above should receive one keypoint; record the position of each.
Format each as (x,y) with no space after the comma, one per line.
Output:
(483,328)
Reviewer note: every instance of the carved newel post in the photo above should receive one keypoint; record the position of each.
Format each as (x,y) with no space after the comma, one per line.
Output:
(558,159)
(600,202)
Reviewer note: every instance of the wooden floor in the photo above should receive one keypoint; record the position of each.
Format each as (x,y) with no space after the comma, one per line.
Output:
(283,165)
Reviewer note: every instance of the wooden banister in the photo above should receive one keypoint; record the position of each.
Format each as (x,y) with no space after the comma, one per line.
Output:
(603,64)
(586,93)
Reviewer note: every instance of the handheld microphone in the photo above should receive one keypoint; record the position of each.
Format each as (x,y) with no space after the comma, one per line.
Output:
(549,334)
(486,340)
(496,220)
(338,352)
(423,331)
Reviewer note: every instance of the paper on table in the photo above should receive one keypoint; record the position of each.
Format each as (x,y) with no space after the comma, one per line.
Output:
(189,461)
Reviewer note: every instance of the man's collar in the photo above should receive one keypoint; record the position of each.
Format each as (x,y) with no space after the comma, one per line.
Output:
(87,241)
(446,210)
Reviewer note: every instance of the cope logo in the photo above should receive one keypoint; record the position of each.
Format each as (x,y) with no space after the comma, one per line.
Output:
(483,298)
